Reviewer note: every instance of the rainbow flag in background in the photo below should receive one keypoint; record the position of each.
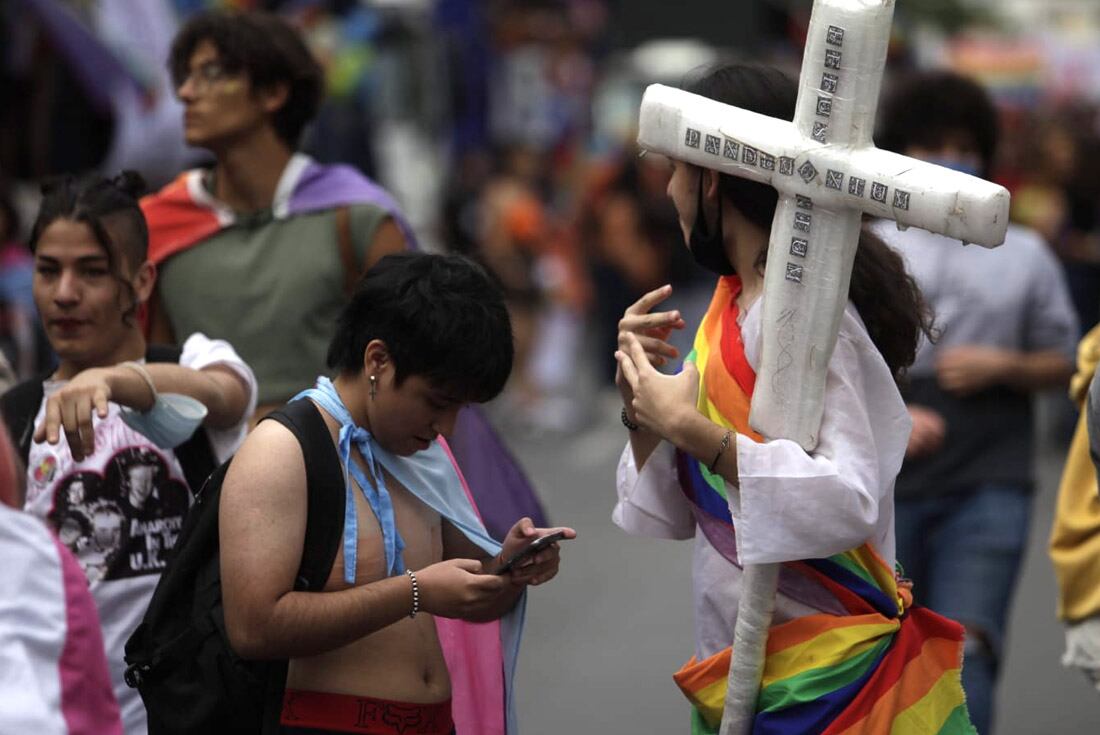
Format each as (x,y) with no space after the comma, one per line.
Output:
(879,664)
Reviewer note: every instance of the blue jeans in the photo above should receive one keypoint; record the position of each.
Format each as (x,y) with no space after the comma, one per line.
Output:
(963,554)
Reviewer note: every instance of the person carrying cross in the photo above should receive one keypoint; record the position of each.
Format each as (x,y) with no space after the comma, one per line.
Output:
(847,649)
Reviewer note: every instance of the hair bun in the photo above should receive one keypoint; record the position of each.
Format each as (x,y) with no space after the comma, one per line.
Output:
(131,183)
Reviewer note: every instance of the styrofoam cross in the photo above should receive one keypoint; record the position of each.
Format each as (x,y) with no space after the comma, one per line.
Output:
(828,174)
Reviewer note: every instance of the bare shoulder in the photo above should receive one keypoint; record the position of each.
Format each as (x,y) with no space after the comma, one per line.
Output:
(262,514)
(269,466)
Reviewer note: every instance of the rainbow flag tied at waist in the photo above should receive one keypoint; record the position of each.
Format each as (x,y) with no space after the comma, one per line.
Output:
(872,662)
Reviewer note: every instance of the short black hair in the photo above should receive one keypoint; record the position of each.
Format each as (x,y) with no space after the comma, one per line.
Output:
(110,209)
(441,317)
(268,50)
(926,108)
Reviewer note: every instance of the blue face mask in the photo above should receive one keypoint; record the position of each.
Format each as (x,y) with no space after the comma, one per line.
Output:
(170,422)
(963,167)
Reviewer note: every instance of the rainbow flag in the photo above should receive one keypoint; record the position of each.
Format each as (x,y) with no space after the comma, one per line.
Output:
(874,663)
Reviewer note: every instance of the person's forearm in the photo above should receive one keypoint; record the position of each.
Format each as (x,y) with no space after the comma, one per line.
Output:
(223,393)
(311,623)
(700,437)
(643,443)
(1037,370)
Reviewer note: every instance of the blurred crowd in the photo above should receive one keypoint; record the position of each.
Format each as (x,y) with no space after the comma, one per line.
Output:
(504,128)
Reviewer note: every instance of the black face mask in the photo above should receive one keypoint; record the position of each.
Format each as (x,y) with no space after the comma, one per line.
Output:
(707,248)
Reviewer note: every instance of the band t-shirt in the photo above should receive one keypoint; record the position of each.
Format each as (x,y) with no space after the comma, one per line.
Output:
(120,510)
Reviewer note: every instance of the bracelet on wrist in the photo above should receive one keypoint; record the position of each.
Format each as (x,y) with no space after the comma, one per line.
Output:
(138,368)
(628,423)
(415,591)
(721,449)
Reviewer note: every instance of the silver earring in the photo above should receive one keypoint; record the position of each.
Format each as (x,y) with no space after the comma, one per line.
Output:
(373,386)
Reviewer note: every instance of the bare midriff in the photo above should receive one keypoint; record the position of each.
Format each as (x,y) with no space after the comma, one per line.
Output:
(402,662)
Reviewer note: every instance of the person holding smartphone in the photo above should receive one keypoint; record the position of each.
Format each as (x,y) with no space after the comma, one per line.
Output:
(695,468)
(422,336)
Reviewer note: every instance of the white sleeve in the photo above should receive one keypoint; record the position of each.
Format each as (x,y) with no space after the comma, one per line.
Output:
(793,505)
(201,352)
(651,502)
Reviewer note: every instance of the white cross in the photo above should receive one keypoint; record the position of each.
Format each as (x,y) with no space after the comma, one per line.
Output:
(828,173)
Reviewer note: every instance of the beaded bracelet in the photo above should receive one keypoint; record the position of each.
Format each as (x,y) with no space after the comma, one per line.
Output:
(416,593)
(627,422)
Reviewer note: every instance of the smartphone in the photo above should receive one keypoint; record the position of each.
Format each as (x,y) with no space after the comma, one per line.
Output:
(535,547)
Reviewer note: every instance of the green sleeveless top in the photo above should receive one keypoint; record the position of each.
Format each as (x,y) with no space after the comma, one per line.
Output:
(271,288)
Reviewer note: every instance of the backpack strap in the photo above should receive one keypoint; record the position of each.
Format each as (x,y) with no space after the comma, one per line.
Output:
(19,406)
(325,491)
(324,523)
(347,250)
(196,455)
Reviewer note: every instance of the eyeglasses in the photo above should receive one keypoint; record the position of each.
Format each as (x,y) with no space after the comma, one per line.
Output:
(205,76)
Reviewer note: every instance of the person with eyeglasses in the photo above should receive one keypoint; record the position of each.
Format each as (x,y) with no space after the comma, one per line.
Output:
(266,237)
(264,248)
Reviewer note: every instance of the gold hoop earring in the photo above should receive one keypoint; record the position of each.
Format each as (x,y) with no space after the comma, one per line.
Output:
(373,386)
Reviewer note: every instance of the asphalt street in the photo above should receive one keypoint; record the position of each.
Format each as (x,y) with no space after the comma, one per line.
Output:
(603,639)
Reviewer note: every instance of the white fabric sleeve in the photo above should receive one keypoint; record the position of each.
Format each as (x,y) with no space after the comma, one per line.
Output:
(793,505)
(201,352)
(651,502)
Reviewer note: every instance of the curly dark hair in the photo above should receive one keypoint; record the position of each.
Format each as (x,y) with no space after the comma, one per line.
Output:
(268,50)
(885,295)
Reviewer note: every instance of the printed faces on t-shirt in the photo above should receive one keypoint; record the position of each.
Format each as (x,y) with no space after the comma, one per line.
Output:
(120,510)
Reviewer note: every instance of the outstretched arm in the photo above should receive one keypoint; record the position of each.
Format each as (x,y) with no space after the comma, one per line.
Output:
(218,387)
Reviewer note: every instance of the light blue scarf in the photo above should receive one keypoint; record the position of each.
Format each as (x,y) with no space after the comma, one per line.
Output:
(432,477)
(374,492)
(429,475)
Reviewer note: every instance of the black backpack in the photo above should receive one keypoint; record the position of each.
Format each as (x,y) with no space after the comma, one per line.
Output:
(21,402)
(179,657)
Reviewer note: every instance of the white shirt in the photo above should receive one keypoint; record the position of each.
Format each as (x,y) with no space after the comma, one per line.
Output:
(120,510)
(790,505)
(53,676)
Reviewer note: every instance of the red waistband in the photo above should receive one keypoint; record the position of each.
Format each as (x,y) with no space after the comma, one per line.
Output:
(365,715)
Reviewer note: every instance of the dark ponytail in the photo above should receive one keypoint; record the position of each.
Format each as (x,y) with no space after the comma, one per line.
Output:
(885,295)
(109,207)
